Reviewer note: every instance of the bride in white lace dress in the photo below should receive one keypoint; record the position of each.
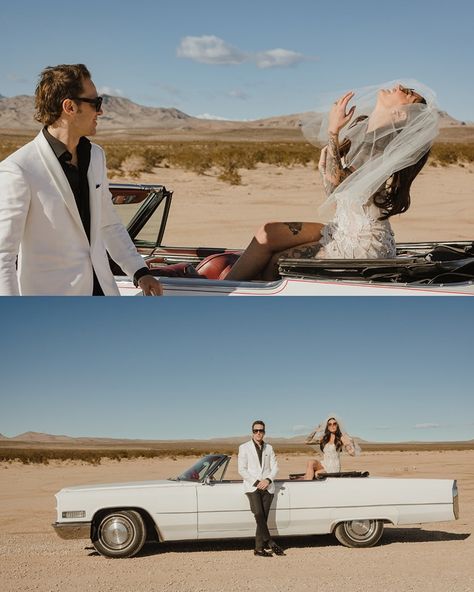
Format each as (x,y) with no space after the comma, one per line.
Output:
(366,176)
(332,440)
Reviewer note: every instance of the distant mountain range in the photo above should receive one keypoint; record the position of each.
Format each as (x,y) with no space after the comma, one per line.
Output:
(121,114)
(41,438)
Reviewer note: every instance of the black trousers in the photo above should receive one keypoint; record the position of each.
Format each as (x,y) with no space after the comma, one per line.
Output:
(260,502)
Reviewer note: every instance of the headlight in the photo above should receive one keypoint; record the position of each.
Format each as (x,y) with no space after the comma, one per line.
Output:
(74,514)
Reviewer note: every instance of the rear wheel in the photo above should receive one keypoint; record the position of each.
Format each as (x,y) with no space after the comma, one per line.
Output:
(359,533)
(121,533)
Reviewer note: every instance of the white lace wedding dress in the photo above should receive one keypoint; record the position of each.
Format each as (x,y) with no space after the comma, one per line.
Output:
(353,234)
(331,459)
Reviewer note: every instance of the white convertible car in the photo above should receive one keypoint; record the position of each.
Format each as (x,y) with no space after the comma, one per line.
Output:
(202,504)
(419,269)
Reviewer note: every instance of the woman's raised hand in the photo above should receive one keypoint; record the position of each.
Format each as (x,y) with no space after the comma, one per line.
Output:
(338,117)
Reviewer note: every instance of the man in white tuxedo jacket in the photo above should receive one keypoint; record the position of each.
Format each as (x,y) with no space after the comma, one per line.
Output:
(57,221)
(258,468)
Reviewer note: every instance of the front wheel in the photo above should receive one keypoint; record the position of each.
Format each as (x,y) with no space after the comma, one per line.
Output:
(121,533)
(359,533)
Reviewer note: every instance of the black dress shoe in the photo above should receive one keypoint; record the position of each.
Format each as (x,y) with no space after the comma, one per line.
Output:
(277,550)
(262,553)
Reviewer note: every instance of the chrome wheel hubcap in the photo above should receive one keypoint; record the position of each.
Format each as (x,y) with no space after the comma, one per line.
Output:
(116,532)
(360,530)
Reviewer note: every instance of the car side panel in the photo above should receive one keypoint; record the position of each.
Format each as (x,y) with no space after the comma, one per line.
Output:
(224,511)
(425,513)
(175,512)
(317,506)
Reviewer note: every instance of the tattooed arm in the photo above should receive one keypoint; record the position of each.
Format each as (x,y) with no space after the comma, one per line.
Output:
(330,165)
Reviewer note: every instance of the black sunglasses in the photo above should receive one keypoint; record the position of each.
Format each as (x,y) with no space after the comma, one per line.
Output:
(256,431)
(97,102)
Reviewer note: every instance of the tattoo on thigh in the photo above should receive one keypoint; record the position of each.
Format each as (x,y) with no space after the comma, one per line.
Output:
(295,227)
(305,252)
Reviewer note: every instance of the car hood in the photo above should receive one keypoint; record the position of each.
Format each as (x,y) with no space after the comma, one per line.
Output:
(129,485)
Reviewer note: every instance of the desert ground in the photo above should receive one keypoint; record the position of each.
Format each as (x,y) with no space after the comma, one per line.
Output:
(433,557)
(209,212)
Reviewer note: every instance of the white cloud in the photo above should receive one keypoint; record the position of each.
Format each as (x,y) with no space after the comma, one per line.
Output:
(209,49)
(425,426)
(238,94)
(108,90)
(278,58)
(209,116)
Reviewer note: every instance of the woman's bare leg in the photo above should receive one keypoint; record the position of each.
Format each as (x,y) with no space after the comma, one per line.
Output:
(312,467)
(306,251)
(272,238)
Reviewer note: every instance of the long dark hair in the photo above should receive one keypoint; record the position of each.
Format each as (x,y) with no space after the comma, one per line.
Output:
(327,435)
(394,197)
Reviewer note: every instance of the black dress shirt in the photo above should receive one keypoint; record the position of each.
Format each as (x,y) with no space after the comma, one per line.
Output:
(259,450)
(77,178)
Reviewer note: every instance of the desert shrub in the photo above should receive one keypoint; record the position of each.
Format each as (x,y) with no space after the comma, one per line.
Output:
(134,157)
(152,156)
(10,143)
(115,158)
(198,162)
(201,157)
(230,174)
(134,165)
(446,153)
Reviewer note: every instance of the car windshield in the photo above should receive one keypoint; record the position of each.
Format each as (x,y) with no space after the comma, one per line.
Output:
(202,468)
(135,204)
(128,201)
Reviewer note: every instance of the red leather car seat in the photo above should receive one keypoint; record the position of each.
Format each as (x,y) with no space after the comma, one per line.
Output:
(216,267)
(213,267)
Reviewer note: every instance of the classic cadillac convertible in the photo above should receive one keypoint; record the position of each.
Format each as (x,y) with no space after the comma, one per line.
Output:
(202,504)
(441,268)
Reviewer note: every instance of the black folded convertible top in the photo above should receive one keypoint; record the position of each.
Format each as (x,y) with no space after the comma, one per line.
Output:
(322,476)
(416,263)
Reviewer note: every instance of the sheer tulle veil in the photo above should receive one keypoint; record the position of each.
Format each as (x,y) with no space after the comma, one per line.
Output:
(318,432)
(403,136)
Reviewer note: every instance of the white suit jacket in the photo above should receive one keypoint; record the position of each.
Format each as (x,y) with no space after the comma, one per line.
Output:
(40,222)
(250,469)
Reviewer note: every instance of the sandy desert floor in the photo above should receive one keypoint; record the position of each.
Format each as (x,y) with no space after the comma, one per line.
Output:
(433,557)
(209,212)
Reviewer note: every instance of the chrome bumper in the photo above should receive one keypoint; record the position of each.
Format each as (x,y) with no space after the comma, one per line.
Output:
(73,530)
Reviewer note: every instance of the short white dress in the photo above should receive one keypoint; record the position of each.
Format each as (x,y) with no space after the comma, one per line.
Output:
(331,459)
(357,235)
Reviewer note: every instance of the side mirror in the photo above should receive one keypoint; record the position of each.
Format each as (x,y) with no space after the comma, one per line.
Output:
(208,481)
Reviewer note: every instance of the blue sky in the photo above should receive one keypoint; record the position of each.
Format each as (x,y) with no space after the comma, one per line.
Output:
(394,369)
(245,59)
